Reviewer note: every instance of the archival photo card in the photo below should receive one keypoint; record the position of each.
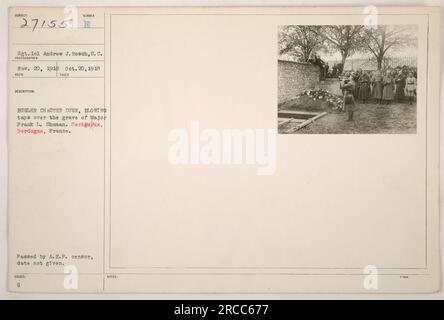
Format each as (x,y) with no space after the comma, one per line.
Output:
(223,149)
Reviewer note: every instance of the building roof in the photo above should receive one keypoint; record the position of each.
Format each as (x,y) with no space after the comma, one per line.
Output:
(371,64)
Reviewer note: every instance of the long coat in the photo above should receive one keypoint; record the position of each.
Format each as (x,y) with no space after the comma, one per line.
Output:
(400,85)
(349,100)
(364,89)
(377,87)
(357,85)
(389,86)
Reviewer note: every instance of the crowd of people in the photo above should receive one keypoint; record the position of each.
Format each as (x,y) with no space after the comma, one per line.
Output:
(393,84)
(324,67)
(335,71)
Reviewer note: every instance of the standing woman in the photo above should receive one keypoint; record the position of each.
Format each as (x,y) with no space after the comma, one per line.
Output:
(364,88)
(389,86)
(410,87)
(377,86)
(356,75)
(399,86)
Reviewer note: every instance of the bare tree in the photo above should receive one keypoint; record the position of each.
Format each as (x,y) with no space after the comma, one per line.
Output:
(300,42)
(346,39)
(384,38)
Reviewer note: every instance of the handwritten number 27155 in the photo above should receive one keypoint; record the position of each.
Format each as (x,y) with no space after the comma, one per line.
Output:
(35,23)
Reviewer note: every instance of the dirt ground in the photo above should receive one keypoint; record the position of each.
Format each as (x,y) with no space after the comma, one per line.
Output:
(369,118)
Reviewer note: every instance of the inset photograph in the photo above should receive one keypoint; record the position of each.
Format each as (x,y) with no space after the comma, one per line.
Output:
(347,79)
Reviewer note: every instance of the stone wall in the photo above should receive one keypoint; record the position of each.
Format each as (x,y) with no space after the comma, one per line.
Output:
(295,77)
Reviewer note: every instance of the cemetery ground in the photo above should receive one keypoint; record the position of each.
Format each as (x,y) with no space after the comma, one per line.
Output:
(369,118)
